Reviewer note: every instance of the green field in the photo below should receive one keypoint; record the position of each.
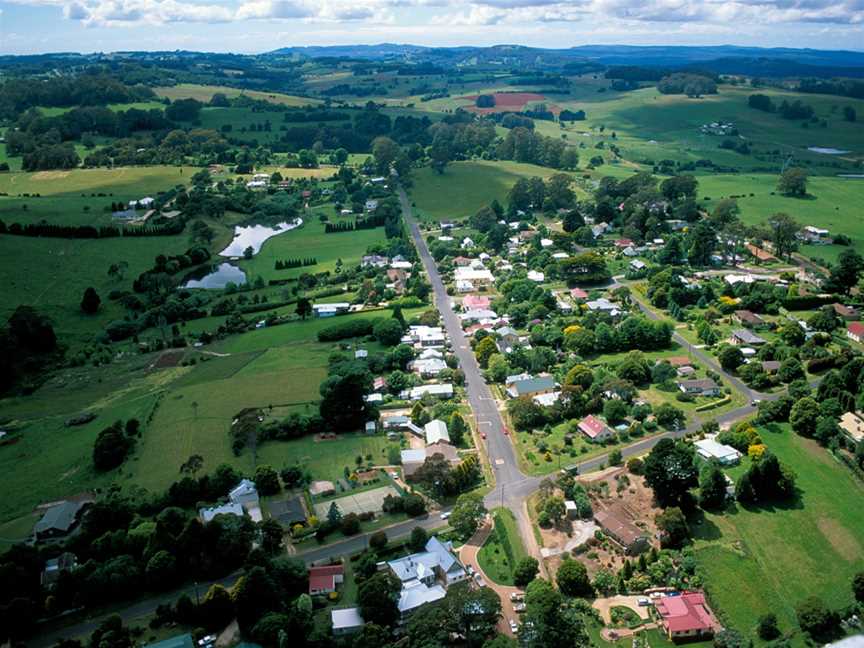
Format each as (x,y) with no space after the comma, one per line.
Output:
(465,187)
(205,93)
(311,241)
(503,549)
(60,198)
(769,559)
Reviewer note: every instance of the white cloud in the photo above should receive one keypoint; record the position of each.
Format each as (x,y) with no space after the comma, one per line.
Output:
(466,13)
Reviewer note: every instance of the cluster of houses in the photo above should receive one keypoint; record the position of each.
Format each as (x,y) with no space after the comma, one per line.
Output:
(425,577)
(434,436)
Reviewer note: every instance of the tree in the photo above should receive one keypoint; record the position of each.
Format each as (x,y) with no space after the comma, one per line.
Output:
(388,332)
(343,405)
(673,526)
(350,524)
(634,368)
(555,509)
(419,538)
(814,617)
(271,536)
(457,428)
(783,230)
(90,301)
(467,514)
(767,627)
(587,267)
(484,350)
(525,571)
(614,410)
(804,416)
(790,370)
(385,152)
(378,597)
(267,480)
(498,367)
(793,182)
(572,579)
(670,471)
(712,487)
(845,274)
(701,240)
(730,357)
(111,448)
(616,457)
(378,541)
(669,416)
(304,308)
(161,571)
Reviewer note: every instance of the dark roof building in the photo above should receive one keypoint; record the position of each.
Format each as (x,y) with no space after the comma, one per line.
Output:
(58,520)
(622,530)
(288,512)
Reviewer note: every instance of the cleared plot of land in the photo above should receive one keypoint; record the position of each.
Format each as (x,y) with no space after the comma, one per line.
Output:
(205,93)
(769,559)
(371,501)
(465,187)
(326,459)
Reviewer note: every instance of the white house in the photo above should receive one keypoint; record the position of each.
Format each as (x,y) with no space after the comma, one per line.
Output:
(426,574)
(534,275)
(477,277)
(436,431)
(442,390)
(346,621)
(710,449)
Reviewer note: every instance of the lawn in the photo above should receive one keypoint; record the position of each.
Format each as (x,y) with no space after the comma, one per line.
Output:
(311,241)
(205,92)
(764,560)
(503,549)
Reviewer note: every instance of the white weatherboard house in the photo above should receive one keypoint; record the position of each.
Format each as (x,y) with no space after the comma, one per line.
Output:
(426,574)
(710,449)
(436,431)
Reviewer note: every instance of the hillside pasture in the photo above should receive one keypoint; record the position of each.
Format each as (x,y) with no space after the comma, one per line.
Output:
(465,187)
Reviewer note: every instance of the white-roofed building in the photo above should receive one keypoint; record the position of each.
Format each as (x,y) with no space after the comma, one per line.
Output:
(436,432)
(426,574)
(346,621)
(709,448)
(534,275)
(207,514)
(477,277)
(444,390)
(428,367)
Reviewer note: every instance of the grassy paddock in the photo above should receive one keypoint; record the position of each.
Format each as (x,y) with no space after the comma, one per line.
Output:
(749,573)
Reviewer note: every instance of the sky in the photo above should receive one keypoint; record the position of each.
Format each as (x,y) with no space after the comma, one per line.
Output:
(253,26)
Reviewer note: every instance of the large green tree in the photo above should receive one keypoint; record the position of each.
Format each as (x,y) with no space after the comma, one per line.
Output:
(670,471)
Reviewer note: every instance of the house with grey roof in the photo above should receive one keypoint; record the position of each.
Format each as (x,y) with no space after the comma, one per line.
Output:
(702,387)
(436,432)
(532,387)
(58,520)
(745,336)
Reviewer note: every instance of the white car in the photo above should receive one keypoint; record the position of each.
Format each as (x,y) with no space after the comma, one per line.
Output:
(514,627)
(445,515)
(643,601)
(516,596)
(479,580)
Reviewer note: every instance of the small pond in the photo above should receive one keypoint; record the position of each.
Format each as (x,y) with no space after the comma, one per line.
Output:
(826,150)
(254,236)
(218,277)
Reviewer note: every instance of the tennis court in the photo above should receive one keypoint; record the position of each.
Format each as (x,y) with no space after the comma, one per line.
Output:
(371,501)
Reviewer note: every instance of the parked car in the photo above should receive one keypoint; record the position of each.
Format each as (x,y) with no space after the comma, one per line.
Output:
(445,515)
(643,601)
(516,596)
(479,580)
(470,569)
(519,608)
(514,627)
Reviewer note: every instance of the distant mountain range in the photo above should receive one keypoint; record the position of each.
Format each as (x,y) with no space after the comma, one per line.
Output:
(727,59)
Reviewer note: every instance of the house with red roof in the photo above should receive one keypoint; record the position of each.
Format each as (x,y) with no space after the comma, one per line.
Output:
(594,428)
(623,243)
(578,293)
(323,580)
(476,302)
(686,615)
(855,332)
